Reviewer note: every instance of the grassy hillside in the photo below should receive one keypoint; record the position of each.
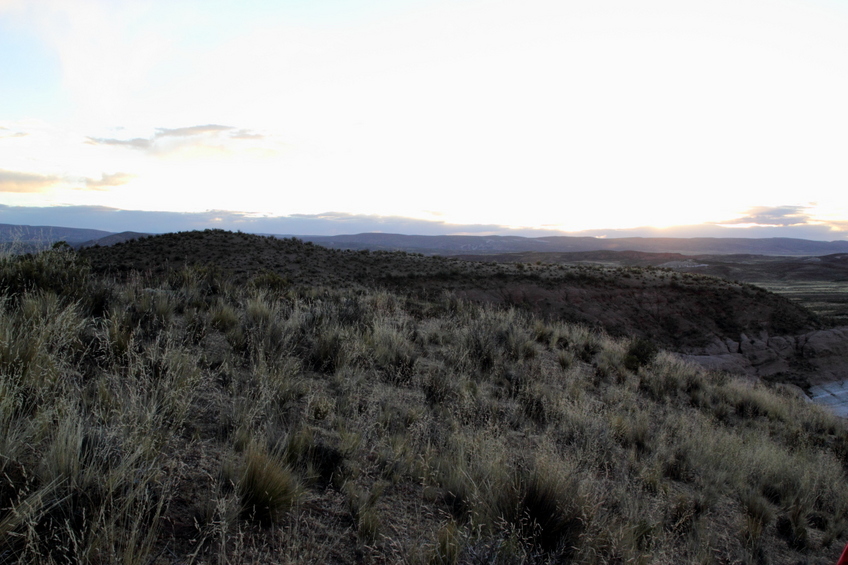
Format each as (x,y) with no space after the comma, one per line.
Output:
(195,416)
(818,283)
(674,309)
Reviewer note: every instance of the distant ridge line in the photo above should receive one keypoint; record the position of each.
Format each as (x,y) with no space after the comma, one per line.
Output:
(495,244)
(473,244)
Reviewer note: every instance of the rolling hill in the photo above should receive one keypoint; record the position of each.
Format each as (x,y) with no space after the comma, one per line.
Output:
(679,310)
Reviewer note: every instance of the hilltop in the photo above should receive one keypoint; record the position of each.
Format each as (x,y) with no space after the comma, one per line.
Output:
(680,310)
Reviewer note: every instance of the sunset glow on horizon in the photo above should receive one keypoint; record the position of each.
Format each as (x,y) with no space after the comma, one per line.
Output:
(577,116)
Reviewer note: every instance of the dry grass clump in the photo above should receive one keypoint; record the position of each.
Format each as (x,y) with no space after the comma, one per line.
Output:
(188,419)
(267,488)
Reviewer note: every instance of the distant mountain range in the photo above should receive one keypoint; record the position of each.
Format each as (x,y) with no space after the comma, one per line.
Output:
(38,237)
(44,236)
(486,245)
(47,235)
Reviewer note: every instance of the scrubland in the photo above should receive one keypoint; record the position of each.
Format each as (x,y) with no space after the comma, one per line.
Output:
(676,310)
(192,416)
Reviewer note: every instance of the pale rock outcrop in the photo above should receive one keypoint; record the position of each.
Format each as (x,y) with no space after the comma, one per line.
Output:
(816,357)
(718,347)
(826,343)
(827,350)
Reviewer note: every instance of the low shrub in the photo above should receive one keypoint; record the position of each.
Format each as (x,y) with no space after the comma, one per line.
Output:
(640,353)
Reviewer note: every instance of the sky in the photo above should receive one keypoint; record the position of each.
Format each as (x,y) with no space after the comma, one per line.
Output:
(602,117)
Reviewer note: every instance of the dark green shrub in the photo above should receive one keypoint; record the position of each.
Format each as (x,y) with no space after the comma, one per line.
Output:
(353,313)
(199,283)
(482,351)
(59,271)
(756,507)
(99,299)
(394,355)
(512,381)
(439,387)
(534,409)
(326,352)
(677,466)
(640,353)
(780,486)
(588,351)
(269,280)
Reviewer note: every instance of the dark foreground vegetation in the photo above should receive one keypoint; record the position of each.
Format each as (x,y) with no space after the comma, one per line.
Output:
(194,415)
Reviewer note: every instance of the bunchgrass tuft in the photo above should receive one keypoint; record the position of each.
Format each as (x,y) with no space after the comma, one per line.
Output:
(267,488)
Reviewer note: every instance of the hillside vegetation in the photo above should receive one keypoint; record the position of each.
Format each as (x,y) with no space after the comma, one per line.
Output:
(678,310)
(193,416)
(818,283)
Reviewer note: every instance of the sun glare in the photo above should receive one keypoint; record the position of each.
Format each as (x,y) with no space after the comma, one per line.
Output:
(577,115)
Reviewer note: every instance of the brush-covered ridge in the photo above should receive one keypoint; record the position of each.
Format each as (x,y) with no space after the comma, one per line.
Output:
(183,418)
(677,310)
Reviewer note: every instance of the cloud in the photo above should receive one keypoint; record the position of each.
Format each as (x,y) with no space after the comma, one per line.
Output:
(170,140)
(6,133)
(20,182)
(14,181)
(10,4)
(137,143)
(246,134)
(782,216)
(337,223)
(816,232)
(331,223)
(841,226)
(191,131)
(108,181)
